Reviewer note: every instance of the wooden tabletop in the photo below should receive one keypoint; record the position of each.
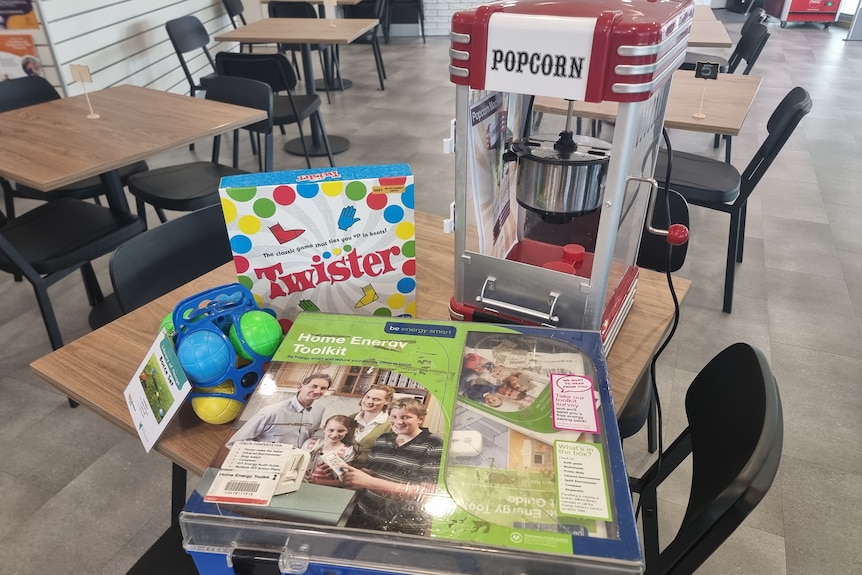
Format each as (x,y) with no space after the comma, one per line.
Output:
(708,33)
(54,144)
(95,369)
(701,12)
(726,102)
(300,30)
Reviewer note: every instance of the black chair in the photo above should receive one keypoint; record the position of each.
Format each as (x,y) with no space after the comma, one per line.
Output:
(403,6)
(188,34)
(370,9)
(162,259)
(234,9)
(47,243)
(28,91)
(641,408)
(326,52)
(717,185)
(734,462)
(276,71)
(192,186)
(748,49)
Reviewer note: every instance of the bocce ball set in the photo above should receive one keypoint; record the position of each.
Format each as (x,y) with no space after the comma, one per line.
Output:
(224,341)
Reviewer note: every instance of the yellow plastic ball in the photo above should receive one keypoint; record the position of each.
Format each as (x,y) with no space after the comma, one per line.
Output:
(217,410)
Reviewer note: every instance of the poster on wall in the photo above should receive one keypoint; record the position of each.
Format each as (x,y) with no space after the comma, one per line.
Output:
(18,56)
(18,15)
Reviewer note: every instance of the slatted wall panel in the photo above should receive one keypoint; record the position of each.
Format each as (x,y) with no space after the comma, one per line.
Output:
(122,41)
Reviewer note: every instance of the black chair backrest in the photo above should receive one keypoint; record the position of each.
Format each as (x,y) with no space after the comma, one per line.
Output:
(757,15)
(733,465)
(291,10)
(167,256)
(234,9)
(187,34)
(783,121)
(26,91)
(652,253)
(249,93)
(273,69)
(365,9)
(748,48)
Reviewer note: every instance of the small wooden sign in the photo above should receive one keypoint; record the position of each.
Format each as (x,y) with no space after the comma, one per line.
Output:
(81,73)
(707,71)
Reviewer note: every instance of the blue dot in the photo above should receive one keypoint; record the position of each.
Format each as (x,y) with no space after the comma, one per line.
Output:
(406,285)
(240,244)
(393,214)
(327,255)
(407,197)
(307,190)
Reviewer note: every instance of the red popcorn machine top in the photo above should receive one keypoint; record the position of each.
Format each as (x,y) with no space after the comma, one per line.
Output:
(559,216)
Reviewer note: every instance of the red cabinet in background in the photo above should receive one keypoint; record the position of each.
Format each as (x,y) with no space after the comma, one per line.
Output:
(825,11)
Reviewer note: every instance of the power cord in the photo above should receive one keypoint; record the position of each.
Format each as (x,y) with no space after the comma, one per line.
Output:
(657,467)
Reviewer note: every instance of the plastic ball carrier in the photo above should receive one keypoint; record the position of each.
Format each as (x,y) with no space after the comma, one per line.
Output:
(224,342)
(559,217)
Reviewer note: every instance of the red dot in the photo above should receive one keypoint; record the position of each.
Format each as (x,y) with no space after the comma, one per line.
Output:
(284,195)
(376,201)
(409,268)
(241,264)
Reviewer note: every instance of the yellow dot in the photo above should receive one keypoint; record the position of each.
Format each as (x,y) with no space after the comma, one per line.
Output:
(229,209)
(405,230)
(249,225)
(396,301)
(336,252)
(411,309)
(332,188)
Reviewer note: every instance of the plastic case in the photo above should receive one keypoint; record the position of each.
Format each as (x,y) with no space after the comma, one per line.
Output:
(522,485)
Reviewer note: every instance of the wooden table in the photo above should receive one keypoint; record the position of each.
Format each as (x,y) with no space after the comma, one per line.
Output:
(726,102)
(706,33)
(50,145)
(95,369)
(304,31)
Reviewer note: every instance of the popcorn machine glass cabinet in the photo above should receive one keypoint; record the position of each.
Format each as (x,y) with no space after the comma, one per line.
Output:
(558,216)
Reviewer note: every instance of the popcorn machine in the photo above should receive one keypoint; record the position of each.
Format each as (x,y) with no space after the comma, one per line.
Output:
(559,217)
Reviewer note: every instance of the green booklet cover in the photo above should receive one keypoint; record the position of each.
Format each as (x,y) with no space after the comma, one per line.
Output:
(491,437)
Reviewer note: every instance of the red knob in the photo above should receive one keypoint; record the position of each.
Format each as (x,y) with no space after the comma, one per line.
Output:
(677,234)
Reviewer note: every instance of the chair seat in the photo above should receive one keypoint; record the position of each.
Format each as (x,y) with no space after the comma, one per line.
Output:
(204,81)
(184,187)
(692,58)
(66,232)
(84,189)
(699,179)
(284,113)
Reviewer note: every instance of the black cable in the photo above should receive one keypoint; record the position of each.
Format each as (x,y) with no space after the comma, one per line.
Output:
(657,467)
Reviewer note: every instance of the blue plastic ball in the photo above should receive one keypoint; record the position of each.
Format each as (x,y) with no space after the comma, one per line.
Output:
(204,356)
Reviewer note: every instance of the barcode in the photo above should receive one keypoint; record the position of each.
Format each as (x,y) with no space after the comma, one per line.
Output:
(245,487)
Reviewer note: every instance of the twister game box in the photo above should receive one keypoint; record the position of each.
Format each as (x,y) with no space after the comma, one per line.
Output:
(339,240)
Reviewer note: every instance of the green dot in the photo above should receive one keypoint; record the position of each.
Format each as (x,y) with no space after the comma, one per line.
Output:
(409,249)
(242,194)
(383,311)
(245,281)
(347,248)
(264,208)
(355,191)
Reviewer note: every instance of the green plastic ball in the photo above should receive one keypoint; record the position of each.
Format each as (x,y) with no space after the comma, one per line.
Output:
(261,331)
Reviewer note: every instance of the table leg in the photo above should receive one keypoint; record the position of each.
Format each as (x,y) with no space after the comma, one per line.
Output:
(314,142)
(114,190)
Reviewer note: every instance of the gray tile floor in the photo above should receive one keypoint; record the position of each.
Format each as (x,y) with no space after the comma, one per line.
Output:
(79,496)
